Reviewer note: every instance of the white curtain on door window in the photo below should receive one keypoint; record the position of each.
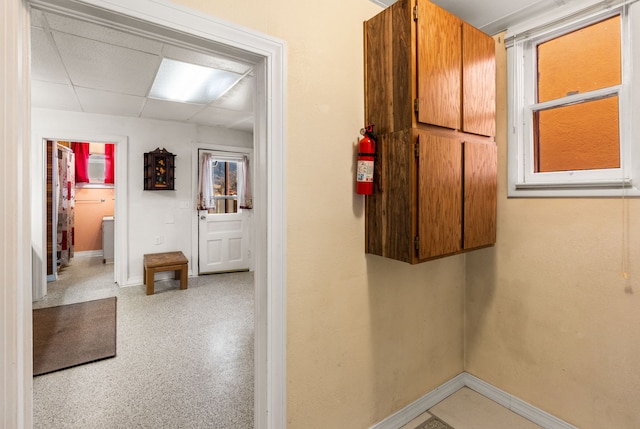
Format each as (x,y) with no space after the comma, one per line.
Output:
(206,199)
(246,200)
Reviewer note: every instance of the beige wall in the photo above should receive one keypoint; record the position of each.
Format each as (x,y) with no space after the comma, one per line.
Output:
(92,204)
(549,316)
(366,336)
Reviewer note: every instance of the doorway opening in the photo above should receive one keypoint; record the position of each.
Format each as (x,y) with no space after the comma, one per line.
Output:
(269,56)
(80,207)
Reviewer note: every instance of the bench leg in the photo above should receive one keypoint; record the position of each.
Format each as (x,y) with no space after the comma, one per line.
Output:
(183,277)
(149,274)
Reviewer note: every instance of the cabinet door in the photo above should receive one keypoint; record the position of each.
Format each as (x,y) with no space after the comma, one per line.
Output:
(480,165)
(439,66)
(439,195)
(479,82)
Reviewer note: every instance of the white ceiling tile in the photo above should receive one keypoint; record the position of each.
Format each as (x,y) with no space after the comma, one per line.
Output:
(45,61)
(245,124)
(240,97)
(109,103)
(53,96)
(217,117)
(205,60)
(37,18)
(107,67)
(89,30)
(168,110)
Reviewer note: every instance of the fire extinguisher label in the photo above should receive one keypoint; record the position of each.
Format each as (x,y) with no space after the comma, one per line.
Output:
(365,171)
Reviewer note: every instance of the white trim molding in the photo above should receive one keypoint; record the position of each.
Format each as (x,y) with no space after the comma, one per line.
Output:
(516,405)
(413,410)
(464,379)
(16,369)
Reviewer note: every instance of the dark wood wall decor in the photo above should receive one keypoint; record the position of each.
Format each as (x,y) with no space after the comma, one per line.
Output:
(159,170)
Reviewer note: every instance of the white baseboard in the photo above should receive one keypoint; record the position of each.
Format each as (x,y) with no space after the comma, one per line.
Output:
(418,407)
(515,404)
(87,253)
(518,406)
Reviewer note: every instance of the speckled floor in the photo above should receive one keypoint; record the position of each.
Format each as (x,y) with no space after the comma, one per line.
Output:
(184,357)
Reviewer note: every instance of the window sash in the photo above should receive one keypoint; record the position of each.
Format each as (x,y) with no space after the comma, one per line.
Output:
(572,178)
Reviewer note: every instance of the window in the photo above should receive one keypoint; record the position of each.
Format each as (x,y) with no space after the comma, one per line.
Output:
(569,120)
(94,164)
(96,168)
(224,182)
(225,186)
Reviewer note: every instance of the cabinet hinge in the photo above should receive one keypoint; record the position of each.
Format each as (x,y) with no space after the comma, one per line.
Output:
(415,13)
(416,242)
(416,105)
(416,149)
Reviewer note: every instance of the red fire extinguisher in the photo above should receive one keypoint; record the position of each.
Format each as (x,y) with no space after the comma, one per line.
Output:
(366,159)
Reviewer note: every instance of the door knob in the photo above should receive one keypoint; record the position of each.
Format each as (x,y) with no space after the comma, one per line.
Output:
(203,217)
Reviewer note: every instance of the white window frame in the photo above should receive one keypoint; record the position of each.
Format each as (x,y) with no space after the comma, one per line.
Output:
(521,43)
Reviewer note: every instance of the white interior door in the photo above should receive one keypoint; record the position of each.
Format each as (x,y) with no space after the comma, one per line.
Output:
(223,229)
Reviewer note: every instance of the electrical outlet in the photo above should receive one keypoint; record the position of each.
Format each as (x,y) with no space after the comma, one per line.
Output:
(159,239)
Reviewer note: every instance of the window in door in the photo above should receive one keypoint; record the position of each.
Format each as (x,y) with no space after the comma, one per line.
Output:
(225,186)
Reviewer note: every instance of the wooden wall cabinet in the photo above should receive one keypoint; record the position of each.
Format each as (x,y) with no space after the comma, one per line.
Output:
(430,92)
(159,170)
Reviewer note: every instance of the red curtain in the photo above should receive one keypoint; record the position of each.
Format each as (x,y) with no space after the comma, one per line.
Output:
(109,154)
(81,150)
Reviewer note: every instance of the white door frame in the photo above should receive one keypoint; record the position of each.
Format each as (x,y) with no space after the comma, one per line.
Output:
(16,359)
(269,147)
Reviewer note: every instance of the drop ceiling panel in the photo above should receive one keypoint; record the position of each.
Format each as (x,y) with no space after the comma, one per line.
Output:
(103,34)
(109,103)
(217,117)
(37,18)
(170,111)
(245,124)
(205,60)
(53,96)
(107,67)
(240,97)
(47,65)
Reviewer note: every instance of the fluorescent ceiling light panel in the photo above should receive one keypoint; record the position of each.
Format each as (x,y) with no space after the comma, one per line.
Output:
(190,83)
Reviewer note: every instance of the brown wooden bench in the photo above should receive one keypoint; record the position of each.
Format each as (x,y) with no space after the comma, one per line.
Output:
(167,261)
